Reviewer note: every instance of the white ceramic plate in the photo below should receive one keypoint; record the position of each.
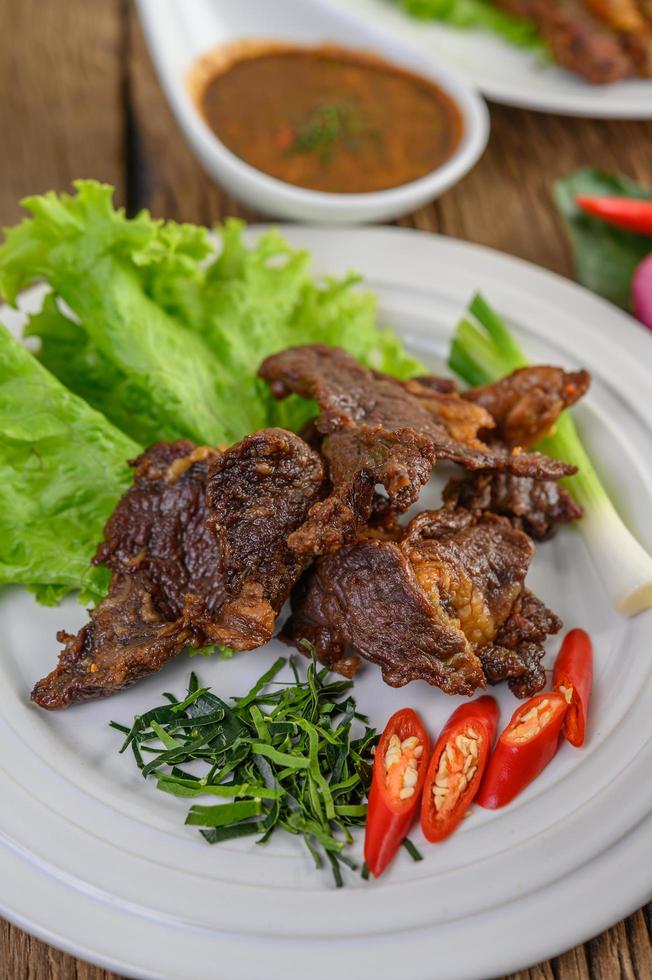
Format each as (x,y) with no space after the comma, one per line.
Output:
(99,863)
(507,74)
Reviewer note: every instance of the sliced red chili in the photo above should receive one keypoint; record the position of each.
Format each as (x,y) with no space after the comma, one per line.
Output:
(396,785)
(456,767)
(632,213)
(573,678)
(523,750)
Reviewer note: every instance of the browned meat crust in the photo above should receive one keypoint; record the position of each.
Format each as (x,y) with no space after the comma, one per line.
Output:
(517,652)
(445,386)
(578,41)
(158,549)
(628,19)
(258,493)
(432,607)
(638,45)
(380,431)
(645,7)
(174,582)
(534,506)
(526,404)
(366,600)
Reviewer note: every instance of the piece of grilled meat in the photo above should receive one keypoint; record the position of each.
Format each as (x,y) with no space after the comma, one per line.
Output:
(630,22)
(578,40)
(175,582)
(533,506)
(378,430)
(525,406)
(258,493)
(446,604)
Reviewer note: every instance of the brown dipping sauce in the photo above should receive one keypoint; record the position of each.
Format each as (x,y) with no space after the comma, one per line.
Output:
(326,118)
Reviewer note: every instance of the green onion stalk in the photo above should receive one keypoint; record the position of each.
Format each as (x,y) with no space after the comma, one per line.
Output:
(482,351)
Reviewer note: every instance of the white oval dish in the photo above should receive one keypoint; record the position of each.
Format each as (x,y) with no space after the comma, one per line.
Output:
(99,863)
(179,33)
(505,73)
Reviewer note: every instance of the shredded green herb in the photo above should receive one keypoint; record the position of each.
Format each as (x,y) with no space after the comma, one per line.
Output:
(295,757)
(329,124)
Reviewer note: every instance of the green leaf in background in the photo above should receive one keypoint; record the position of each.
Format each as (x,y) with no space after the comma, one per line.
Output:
(62,469)
(477,13)
(605,257)
(162,331)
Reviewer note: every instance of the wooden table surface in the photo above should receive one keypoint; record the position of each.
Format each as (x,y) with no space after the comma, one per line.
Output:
(78,98)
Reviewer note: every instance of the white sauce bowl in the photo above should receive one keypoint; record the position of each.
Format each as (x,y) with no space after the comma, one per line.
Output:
(179,33)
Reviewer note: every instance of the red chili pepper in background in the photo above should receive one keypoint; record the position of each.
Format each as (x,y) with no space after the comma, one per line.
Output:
(573,679)
(395,793)
(456,767)
(523,750)
(631,213)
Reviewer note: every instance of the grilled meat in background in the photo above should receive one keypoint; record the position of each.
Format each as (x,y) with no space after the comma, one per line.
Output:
(601,40)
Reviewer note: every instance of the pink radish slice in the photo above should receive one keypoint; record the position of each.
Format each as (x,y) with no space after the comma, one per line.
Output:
(642,291)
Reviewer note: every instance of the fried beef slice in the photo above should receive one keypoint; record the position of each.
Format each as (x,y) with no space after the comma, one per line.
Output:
(158,549)
(525,405)
(378,430)
(431,607)
(258,493)
(365,601)
(173,584)
(516,652)
(473,567)
(534,506)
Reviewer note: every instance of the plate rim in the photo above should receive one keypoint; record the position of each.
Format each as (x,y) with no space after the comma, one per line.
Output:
(465,249)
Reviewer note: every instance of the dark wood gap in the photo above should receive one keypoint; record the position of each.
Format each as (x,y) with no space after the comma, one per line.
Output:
(647,912)
(136,180)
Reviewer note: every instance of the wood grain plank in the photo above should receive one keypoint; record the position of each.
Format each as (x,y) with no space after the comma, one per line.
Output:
(572,965)
(61,86)
(638,941)
(506,200)
(610,956)
(621,953)
(541,972)
(170,181)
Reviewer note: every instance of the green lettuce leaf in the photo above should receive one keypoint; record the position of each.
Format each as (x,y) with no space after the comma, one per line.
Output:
(477,13)
(162,331)
(62,469)
(96,261)
(159,329)
(605,257)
